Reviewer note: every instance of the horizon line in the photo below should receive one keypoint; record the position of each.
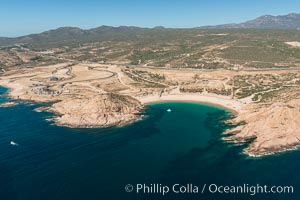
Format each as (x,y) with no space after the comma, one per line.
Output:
(144,27)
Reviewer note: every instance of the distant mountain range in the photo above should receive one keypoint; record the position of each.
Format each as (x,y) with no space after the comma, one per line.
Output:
(69,35)
(290,21)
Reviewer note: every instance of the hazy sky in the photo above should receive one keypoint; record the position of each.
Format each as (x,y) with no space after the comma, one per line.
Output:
(20,17)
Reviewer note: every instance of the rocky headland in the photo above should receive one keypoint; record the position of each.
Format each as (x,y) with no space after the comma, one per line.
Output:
(98,95)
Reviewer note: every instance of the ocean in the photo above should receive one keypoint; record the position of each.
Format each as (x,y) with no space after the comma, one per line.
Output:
(181,147)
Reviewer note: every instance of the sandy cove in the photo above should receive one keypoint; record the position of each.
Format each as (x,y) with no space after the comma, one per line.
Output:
(92,95)
(260,126)
(234,106)
(266,141)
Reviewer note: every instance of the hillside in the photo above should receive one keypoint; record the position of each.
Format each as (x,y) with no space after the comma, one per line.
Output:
(266,42)
(74,35)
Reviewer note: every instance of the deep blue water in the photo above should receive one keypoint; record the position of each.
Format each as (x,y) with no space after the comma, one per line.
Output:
(182,146)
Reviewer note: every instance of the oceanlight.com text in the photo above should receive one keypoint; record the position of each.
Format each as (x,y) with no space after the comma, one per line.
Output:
(252,190)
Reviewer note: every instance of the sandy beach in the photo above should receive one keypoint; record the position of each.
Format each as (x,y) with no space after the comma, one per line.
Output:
(95,95)
(221,101)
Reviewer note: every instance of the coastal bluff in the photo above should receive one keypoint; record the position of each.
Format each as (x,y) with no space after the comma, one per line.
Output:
(96,111)
(84,95)
(270,129)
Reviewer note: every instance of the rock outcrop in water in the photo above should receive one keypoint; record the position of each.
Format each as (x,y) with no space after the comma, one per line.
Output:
(95,111)
(8,104)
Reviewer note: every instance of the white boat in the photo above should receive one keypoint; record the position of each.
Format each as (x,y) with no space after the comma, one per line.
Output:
(169,110)
(13,143)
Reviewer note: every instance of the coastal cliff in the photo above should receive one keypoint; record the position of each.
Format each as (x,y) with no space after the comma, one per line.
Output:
(97,111)
(95,95)
(270,129)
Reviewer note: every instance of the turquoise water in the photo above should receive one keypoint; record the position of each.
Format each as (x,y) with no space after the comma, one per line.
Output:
(182,146)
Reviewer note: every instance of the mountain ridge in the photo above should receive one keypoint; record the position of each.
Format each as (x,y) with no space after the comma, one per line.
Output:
(289,21)
(69,34)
